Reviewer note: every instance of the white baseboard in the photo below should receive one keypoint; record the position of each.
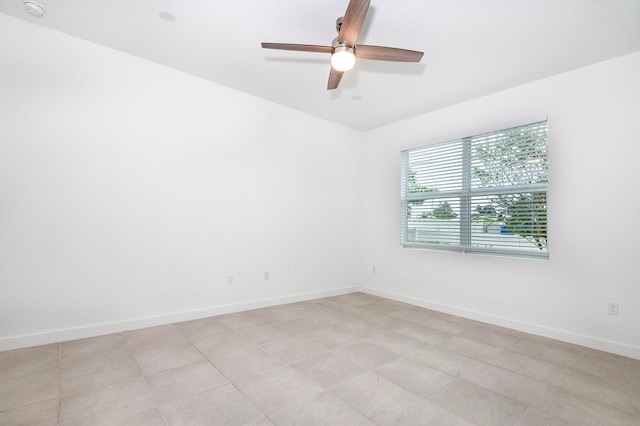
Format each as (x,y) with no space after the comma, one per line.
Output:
(56,336)
(566,336)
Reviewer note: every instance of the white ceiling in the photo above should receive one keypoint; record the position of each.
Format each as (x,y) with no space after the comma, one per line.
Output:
(472,47)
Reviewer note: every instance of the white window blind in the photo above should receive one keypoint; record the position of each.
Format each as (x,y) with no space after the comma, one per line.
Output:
(484,193)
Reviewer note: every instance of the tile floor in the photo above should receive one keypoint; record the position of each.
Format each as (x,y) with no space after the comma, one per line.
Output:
(347,360)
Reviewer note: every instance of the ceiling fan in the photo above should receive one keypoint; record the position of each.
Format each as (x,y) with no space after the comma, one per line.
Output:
(344,49)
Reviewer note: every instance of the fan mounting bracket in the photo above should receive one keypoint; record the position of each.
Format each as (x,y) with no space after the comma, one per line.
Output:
(335,43)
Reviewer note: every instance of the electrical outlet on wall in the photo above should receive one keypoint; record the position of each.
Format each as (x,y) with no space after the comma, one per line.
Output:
(612,308)
(230,280)
(267,276)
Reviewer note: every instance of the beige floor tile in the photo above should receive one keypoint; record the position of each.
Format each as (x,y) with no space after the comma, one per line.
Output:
(413,315)
(171,385)
(454,318)
(540,370)
(224,405)
(573,407)
(278,314)
(151,338)
(383,307)
(278,389)
(247,363)
(383,323)
(533,417)
(328,369)
(451,363)
(503,330)
(305,325)
(322,409)
(17,392)
(292,350)
(353,324)
(489,337)
(414,376)
(376,329)
(262,421)
(606,356)
(39,414)
(612,371)
(83,349)
(358,299)
(546,353)
(367,355)
(468,347)
(332,337)
(327,317)
(70,357)
(621,395)
(311,309)
(477,404)
(427,335)
(167,357)
(107,404)
(341,315)
(84,370)
(363,330)
(512,385)
(427,413)
(373,318)
(241,320)
(202,327)
(265,333)
(398,343)
(146,418)
(557,344)
(376,397)
(222,344)
(29,361)
(437,322)
(338,304)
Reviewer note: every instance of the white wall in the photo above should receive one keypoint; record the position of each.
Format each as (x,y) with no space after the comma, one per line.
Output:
(129,190)
(593,209)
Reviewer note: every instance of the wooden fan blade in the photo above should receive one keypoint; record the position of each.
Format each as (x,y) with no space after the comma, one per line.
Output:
(352,21)
(334,79)
(298,47)
(381,53)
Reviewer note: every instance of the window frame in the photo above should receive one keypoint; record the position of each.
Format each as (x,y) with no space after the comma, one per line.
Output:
(466,193)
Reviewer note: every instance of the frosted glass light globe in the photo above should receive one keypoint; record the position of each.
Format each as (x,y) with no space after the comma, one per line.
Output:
(343,58)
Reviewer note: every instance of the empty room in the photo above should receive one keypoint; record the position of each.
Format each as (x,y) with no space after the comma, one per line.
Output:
(347,212)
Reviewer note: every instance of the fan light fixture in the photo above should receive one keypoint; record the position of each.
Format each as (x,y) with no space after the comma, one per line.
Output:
(343,58)
(343,48)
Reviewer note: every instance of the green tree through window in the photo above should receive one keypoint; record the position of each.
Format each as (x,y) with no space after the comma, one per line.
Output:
(520,159)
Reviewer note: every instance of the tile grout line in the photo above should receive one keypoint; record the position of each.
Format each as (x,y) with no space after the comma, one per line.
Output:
(220,372)
(59,381)
(143,378)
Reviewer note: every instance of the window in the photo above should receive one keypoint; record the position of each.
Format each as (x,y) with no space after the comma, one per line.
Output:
(485,193)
